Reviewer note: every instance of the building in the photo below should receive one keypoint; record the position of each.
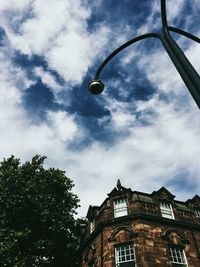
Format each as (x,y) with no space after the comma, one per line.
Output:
(133,228)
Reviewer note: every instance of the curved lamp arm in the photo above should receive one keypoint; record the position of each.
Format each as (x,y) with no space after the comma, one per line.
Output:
(96,86)
(122,47)
(186,34)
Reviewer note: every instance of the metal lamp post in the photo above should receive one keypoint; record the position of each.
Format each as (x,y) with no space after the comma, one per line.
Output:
(182,64)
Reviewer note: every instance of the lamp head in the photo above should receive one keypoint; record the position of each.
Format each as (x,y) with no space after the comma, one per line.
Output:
(96,87)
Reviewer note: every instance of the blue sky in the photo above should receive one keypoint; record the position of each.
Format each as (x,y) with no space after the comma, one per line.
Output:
(144,128)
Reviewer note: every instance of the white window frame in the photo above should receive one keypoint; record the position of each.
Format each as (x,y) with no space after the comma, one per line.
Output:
(166,210)
(120,206)
(177,256)
(92,226)
(197,213)
(124,253)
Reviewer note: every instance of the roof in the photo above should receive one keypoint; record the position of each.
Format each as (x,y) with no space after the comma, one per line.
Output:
(153,198)
(138,196)
(182,206)
(92,210)
(119,190)
(163,193)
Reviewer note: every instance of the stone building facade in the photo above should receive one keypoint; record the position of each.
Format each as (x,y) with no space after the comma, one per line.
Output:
(133,228)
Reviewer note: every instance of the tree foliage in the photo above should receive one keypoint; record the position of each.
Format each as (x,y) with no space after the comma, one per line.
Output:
(37,208)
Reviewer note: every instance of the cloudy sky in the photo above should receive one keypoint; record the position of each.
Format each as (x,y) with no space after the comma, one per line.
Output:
(144,128)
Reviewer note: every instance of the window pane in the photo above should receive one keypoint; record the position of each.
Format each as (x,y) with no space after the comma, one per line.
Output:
(125,254)
(120,207)
(197,212)
(177,256)
(166,210)
(92,226)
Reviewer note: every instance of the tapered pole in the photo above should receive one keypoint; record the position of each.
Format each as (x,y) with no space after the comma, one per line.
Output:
(189,75)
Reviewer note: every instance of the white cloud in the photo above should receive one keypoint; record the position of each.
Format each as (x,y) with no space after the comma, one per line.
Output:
(18,134)
(121,116)
(46,22)
(56,30)
(63,126)
(13,4)
(193,53)
(161,72)
(174,9)
(69,58)
(47,79)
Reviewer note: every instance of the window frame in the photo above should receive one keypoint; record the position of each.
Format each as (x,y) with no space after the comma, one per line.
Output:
(197,214)
(129,251)
(178,253)
(166,211)
(119,210)
(92,226)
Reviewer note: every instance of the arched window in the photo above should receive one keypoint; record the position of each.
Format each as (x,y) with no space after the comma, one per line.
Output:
(176,243)
(124,251)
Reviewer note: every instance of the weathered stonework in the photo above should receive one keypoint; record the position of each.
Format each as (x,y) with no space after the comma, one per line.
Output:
(144,227)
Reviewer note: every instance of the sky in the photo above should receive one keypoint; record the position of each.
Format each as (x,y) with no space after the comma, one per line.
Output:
(144,129)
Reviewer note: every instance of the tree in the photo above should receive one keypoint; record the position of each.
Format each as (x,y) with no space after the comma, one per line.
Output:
(37,209)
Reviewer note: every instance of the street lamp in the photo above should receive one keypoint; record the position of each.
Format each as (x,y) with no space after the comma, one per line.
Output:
(182,64)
